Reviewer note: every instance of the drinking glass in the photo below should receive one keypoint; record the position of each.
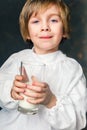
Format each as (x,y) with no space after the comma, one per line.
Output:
(29,69)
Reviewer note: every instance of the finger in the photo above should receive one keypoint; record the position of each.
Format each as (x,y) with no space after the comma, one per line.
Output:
(35,101)
(18,78)
(34,79)
(35,82)
(19,84)
(40,88)
(18,90)
(16,96)
(33,94)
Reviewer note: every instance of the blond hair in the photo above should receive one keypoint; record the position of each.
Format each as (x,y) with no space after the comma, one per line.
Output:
(33,6)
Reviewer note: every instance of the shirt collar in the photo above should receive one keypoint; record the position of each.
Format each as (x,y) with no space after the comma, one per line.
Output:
(50,57)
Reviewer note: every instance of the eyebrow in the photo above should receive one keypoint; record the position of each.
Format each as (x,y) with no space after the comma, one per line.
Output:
(50,15)
(54,14)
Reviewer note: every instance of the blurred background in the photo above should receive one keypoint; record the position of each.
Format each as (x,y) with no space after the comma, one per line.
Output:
(11,40)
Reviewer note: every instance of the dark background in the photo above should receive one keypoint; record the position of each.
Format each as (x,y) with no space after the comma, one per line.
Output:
(11,40)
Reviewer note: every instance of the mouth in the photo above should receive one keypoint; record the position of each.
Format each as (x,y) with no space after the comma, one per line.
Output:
(45,37)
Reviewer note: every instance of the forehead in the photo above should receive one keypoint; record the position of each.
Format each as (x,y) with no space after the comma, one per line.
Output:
(51,9)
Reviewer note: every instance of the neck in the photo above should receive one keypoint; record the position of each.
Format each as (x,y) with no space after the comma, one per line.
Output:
(37,51)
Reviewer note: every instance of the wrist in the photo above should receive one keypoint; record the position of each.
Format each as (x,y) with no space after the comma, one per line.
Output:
(52,102)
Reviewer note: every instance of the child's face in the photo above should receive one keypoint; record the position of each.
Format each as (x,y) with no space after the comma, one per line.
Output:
(46,30)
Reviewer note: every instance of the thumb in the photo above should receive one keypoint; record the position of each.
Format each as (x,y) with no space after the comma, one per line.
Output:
(34,80)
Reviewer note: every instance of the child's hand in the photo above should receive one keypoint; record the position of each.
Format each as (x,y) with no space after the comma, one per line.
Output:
(41,94)
(18,87)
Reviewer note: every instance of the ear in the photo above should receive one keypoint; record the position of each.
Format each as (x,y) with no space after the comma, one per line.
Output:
(64,36)
(28,38)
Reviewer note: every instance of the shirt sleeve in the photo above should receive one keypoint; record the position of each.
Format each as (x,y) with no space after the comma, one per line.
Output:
(70,110)
(7,73)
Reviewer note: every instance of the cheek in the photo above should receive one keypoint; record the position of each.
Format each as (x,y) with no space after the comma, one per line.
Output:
(32,31)
(60,31)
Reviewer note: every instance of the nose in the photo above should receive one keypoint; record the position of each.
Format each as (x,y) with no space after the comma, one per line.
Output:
(45,27)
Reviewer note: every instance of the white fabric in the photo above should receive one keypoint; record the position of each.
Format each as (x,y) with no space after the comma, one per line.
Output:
(66,80)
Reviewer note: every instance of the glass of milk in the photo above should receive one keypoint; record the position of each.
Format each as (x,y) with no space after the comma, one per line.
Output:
(29,69)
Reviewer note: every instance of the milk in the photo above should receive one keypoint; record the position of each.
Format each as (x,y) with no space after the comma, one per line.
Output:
(29,69)
(26,107)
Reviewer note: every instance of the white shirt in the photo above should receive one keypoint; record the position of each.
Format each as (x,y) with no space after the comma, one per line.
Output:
(66,80)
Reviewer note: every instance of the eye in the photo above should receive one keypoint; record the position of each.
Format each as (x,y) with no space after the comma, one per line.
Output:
(54,20)
(35,21)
